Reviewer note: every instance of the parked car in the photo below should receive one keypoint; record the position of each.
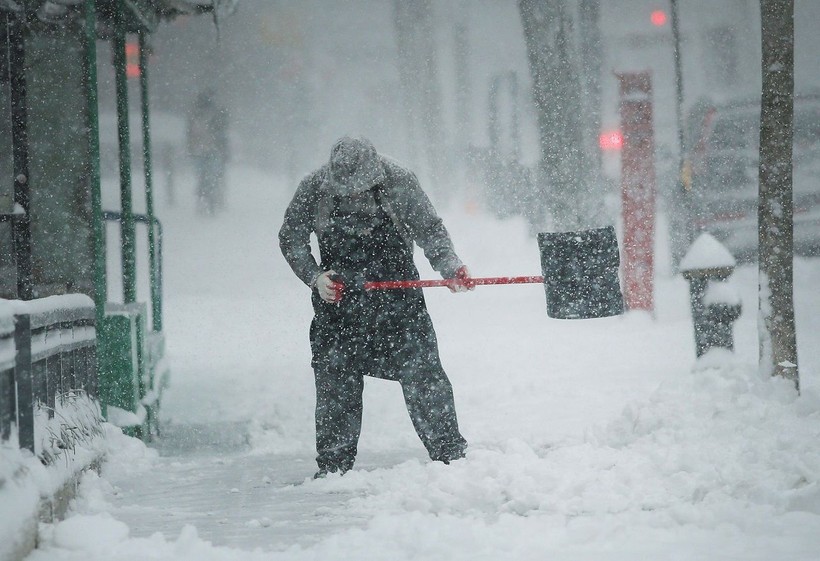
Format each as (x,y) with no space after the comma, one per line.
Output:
(723,159)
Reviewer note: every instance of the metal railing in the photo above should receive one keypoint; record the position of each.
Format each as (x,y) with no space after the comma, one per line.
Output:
(8,261)
(155,261)
(48,348)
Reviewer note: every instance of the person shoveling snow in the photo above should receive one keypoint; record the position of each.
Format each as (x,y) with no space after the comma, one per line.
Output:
(367,212)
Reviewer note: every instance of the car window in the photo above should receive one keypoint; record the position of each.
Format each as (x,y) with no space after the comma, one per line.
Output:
(807,126)
(735,131)
(740,131)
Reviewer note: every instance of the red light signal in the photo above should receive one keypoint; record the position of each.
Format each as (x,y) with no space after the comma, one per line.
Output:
(658,18)
(611,140)
(132,58)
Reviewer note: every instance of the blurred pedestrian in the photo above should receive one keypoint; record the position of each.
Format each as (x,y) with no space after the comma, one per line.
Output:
(209,151)
(367,212)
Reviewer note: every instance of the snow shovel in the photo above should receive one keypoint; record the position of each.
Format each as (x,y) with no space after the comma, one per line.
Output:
(580,275)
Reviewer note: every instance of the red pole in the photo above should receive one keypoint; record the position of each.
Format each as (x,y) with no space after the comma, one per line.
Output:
(475,281)
(638,189)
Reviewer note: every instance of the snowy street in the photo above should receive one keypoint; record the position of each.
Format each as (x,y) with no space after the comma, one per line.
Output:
(179,381)
(593,439)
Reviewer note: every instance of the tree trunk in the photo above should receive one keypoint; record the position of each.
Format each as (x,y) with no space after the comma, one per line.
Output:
(461,53)
(591,63)
(557,92)
(418,73)
(778,342)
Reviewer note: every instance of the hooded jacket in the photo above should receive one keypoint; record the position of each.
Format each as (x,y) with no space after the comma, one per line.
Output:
(355,168)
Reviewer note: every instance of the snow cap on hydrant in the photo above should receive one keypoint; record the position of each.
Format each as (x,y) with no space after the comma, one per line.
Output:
(706,253)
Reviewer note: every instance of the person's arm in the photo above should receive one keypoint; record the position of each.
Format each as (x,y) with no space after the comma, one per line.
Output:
(427,229)
(294,236)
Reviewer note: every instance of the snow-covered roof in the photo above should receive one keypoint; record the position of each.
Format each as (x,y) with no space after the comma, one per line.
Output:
(173,7)
(9,6)
(139,14)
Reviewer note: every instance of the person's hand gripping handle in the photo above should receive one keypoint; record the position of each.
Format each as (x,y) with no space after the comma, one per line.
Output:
(329,286)
(462,281)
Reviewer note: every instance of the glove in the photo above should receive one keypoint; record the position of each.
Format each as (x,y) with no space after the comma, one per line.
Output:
(463,281)
(329,287)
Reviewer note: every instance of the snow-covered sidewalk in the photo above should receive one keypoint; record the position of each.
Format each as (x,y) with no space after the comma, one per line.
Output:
(236,499)
(589,439)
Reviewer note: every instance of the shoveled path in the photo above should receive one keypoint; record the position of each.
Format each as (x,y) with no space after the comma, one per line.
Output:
(207,477)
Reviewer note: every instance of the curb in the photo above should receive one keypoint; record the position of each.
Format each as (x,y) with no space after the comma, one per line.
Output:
(52,509)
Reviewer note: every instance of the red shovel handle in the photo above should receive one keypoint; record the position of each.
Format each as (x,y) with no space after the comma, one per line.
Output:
(388,285)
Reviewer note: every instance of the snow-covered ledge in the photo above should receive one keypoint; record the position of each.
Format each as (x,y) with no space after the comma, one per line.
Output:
(69,440)
(31,492)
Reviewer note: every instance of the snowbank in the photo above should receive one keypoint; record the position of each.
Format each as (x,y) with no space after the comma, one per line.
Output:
(68,440)
(19,499)
(721,448)
(722,463)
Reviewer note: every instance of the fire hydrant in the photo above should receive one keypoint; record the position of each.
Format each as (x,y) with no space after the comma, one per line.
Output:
(715,303)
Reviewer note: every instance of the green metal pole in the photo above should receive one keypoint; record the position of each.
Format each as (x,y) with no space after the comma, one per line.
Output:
(156,302)
(127,235)
(21,226)
(98,229)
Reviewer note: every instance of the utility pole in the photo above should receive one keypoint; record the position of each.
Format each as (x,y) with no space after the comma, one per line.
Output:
(589,16)
(557,93)
(775,224)
(683,185)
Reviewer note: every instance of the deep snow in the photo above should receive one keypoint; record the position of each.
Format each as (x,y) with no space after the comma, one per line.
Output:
(594,439)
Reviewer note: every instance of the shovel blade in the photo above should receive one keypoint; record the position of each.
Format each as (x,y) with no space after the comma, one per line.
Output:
(581,273)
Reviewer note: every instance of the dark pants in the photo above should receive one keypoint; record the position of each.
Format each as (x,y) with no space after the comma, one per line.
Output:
(210,189)
(401,348)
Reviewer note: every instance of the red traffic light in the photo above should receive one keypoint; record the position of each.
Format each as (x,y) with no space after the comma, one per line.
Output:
(658,18)
(132,60)
(611,140)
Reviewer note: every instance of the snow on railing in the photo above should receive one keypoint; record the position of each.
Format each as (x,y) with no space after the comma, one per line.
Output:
(48,376)
(50,420)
